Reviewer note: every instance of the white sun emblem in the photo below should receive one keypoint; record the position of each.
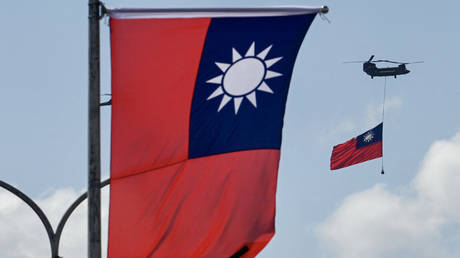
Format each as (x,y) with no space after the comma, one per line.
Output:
(368,137)
(243,77)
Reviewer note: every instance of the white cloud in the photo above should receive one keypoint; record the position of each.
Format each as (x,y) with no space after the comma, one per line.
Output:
(374,111)
(348,127)
(420,220)
(345,126)
(439,179)
(23,234)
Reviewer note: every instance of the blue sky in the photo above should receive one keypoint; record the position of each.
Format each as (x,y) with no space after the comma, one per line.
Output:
(43,109)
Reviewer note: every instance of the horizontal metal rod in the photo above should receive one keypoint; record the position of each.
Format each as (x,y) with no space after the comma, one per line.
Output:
(215,12)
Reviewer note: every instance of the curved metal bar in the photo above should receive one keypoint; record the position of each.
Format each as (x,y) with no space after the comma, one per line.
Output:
(54,237)
(69,211)
(37,210)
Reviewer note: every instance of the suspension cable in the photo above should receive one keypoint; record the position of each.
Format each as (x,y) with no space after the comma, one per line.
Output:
(383,116)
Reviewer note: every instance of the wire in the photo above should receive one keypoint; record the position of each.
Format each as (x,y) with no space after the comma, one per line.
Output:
(324,18)
(384,96)
(383,116)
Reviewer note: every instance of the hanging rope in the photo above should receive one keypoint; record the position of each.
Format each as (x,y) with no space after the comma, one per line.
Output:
(383,116)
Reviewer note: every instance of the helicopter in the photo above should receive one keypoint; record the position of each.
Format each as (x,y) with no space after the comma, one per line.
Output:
(370,68)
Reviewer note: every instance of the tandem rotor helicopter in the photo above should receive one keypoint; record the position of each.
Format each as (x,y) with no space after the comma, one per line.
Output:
(372,70)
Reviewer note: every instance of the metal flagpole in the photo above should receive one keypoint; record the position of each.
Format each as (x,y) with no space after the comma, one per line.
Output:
(94,156)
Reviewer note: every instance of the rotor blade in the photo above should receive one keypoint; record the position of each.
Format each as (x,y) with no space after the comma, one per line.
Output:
(387,61)
(393,62)
(418,62)
(350,62)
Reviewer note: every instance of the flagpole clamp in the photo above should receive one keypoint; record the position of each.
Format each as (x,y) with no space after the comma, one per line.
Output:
(103,11)
(324,9)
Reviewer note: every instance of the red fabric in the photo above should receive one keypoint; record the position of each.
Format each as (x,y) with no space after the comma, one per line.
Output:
(346,154)
(151,109)
(176,211)
(161,203)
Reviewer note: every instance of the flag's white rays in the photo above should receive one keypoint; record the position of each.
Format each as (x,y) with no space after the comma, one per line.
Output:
(271,74)
(264,87)
(251,50)
(243,77)
(216,93)
(264,53)
(271,62)
(237,102)
(224,101)
(252,98)
(235,55)
(216,80)
(222,66)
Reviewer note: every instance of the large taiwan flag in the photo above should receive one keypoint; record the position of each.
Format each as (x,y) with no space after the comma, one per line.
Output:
(198,99)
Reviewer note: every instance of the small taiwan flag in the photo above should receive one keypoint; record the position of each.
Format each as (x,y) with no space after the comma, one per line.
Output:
(365,147)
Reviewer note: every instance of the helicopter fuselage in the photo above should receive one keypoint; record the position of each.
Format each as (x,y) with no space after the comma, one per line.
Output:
(373,71)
